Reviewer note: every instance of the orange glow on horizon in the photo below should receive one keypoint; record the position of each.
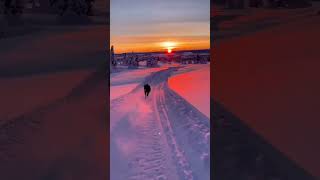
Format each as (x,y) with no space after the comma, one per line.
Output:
(169,45)
(127,44)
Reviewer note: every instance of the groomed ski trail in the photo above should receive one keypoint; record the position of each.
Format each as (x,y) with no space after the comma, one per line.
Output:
(161,137)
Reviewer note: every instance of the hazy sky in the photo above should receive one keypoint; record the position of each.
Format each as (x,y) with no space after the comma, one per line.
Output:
(140,25)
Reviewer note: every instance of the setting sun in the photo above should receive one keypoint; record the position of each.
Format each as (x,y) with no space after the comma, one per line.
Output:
(169,45)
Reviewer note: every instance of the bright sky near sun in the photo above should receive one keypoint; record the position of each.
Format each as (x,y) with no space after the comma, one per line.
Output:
(159,25)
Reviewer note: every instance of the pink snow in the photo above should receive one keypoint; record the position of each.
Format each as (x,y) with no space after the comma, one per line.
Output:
(132,76)
(194,86)
(23,94)
(270,80)
(125,81)
(120,90)
(54,119)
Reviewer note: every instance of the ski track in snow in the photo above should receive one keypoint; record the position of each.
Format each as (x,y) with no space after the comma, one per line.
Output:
(161,137)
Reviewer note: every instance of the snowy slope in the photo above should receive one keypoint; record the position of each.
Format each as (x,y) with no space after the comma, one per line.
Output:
(23,94)
(117,91)
(193,84)
(158,137)
(271,83)
(126,80)
(131,76)
(53,118)
(65,139)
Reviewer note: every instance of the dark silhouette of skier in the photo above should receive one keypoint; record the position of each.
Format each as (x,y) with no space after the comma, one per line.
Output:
(147,90)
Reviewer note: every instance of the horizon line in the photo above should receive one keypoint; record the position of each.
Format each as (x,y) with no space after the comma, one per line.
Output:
(207,49)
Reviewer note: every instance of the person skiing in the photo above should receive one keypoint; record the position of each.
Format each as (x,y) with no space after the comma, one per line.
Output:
(147,90)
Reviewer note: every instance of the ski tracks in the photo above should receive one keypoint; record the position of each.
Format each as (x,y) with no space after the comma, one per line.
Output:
(162,137)
(180,160)
(140,141)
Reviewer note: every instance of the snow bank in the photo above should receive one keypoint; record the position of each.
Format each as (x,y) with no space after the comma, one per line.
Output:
(132,76)
(160,136)
(64,139)
(23,94)
(120,90)
(126,80)
(271,83)
(193,84)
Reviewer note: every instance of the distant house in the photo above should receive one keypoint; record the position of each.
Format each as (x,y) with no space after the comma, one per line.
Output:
(152,62)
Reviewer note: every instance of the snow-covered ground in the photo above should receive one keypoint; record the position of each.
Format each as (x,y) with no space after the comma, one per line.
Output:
(162,136)
(53,103)
(126,80)
(269,80)
(117,91)
(193,84)
(21,95)
(128,76)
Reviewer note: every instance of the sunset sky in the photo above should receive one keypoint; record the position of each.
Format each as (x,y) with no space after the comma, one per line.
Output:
(159,25)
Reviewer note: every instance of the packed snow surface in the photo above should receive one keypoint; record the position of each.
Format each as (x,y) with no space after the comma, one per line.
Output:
(117,91)
(158,137)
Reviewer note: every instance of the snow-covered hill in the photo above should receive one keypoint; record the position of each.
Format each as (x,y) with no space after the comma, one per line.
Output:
(161,136)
